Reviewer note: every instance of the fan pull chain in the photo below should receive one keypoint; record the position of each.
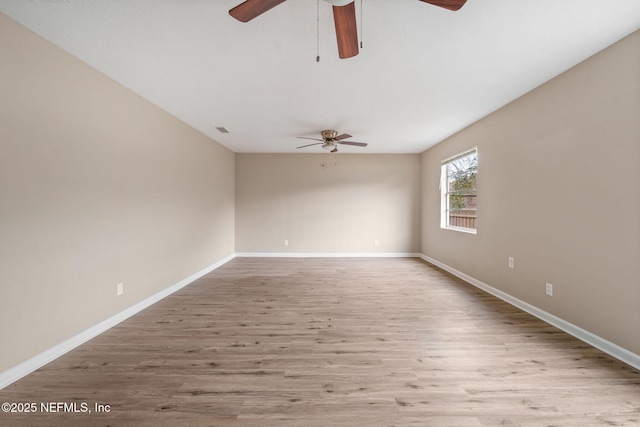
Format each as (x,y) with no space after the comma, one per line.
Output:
(318,31)
(361,24)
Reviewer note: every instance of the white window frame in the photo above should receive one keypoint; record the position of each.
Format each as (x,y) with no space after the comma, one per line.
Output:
(444,193)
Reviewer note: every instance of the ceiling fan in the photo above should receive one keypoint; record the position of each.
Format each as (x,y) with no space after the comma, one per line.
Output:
(330,141)
(344,17)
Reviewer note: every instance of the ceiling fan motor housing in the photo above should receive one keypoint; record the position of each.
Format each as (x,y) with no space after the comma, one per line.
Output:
(329,134)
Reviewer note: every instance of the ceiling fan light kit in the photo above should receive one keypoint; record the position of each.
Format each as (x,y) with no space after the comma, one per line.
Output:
(344,17)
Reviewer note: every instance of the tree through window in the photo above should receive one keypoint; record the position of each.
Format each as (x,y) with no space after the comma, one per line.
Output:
(459,192)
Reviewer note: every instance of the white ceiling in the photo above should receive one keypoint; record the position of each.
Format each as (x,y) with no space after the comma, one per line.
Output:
(424,72)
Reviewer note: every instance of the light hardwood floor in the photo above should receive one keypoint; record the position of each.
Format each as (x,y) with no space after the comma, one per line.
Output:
(327,342)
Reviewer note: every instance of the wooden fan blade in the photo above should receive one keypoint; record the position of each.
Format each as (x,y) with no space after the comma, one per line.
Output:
(344,18)
(343,136)
(447,4)
(309,145)
(359,144)
(250,9)
(305,137)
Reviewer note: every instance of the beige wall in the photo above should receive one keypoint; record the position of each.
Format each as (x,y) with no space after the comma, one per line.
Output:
(559,189)
(341,207)
(97,187)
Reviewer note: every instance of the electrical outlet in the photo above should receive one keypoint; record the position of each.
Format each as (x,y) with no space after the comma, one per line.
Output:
(119,289)
(286,243)
(549,289)
(512,262)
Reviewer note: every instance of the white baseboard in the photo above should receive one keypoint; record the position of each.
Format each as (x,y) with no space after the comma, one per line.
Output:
(328,255)
(14,374)
(600,343)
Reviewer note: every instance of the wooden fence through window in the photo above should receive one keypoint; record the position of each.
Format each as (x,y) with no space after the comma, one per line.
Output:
(465,218)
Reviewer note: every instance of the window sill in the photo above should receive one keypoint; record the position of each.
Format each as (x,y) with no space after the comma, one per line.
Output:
(460,229)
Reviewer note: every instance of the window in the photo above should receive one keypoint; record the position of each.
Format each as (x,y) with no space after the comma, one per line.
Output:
(459,192)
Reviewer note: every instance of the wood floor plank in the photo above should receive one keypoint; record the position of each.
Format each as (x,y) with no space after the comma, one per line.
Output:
(331,341)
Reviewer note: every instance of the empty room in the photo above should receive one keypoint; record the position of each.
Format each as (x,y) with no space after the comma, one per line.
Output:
(319,213)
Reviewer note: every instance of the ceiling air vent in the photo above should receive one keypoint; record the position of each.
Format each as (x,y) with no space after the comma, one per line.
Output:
(222,130)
